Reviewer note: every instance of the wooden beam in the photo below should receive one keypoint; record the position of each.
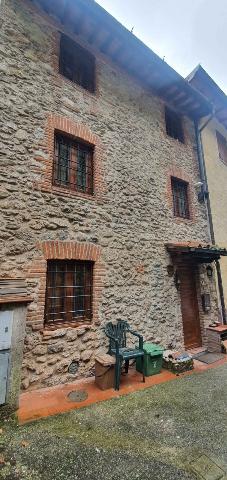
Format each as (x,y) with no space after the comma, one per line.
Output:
(114,47)
(195,112)
(122,56)
(88,27)
(185,103)
(105,45)
(179,96)
(168,90)
(98,38)
(68,17)
(72,17)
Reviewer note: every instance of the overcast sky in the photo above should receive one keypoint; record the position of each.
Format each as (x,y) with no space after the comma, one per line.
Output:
(185,32)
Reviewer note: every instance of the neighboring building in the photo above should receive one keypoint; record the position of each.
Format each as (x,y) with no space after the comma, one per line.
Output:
(98,196)
(214,142)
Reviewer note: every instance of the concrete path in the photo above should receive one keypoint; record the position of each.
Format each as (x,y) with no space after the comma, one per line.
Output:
(175,430)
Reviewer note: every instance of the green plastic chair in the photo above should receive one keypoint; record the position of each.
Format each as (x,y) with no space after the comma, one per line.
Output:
(117,334)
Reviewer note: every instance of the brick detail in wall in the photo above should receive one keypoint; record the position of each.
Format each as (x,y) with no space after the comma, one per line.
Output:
(36,275)
(79,131)
(179,173)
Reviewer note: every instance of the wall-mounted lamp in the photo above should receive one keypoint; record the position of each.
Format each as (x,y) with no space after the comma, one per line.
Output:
(203,194)
(209,271)
(170,270)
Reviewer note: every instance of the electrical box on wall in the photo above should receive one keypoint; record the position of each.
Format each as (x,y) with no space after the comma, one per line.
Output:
(6,323)
(206,304)
(4,364)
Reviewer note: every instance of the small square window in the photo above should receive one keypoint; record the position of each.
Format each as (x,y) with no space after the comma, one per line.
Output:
(77,64)
(180,198)
(68,291)
(222,147)
(174,126)
(73,164)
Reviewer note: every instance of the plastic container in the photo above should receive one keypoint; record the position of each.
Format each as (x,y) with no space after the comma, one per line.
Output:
(152,363)
(104,371)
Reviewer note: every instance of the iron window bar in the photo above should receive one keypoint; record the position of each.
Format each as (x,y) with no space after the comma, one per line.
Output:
(73,164)
(69,291)
(180,198)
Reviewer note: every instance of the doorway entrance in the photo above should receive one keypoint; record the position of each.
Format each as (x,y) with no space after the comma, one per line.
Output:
(189,306)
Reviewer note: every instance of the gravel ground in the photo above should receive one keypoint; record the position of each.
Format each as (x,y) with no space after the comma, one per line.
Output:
(154,434)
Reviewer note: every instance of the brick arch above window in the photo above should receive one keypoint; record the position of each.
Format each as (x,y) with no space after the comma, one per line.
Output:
(37,275)
(56,123)
(78,130)
(56,250)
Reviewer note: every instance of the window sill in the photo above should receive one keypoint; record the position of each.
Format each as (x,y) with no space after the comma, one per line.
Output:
(77,86)
(178,217)
(60,326)
(183,220)
(175,141)
(67,192)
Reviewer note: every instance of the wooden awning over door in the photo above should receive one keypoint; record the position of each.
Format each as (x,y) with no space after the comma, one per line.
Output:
(195,252)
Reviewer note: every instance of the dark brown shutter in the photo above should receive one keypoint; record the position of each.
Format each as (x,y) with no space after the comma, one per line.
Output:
(174,127)
(77,64)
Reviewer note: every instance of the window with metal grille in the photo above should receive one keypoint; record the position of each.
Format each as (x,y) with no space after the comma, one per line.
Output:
(222,147)
(73,164)
(174,126)
(180,198)
(68,291)
(77,64)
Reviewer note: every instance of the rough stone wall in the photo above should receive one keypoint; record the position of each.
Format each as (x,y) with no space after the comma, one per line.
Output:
(132,220)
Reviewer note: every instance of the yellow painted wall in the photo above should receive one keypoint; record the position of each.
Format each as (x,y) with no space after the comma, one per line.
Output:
(217,184)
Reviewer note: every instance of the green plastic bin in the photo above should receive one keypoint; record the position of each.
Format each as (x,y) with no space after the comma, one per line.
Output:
(152,363)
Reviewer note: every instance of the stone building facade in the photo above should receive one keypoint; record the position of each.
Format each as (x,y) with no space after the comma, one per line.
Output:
(123,228)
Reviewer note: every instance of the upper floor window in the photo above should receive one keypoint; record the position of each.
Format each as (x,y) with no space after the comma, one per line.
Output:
(174,127)
(77,64)
(180,198)
(222,147)
(73,164)
(68,291)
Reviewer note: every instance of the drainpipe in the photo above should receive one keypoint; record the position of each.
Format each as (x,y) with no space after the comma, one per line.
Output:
(203,196)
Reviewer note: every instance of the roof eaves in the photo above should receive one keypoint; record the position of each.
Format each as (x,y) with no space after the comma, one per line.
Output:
(155,72)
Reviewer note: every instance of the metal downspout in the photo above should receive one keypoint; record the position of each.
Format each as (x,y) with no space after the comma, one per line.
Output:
(204,196)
